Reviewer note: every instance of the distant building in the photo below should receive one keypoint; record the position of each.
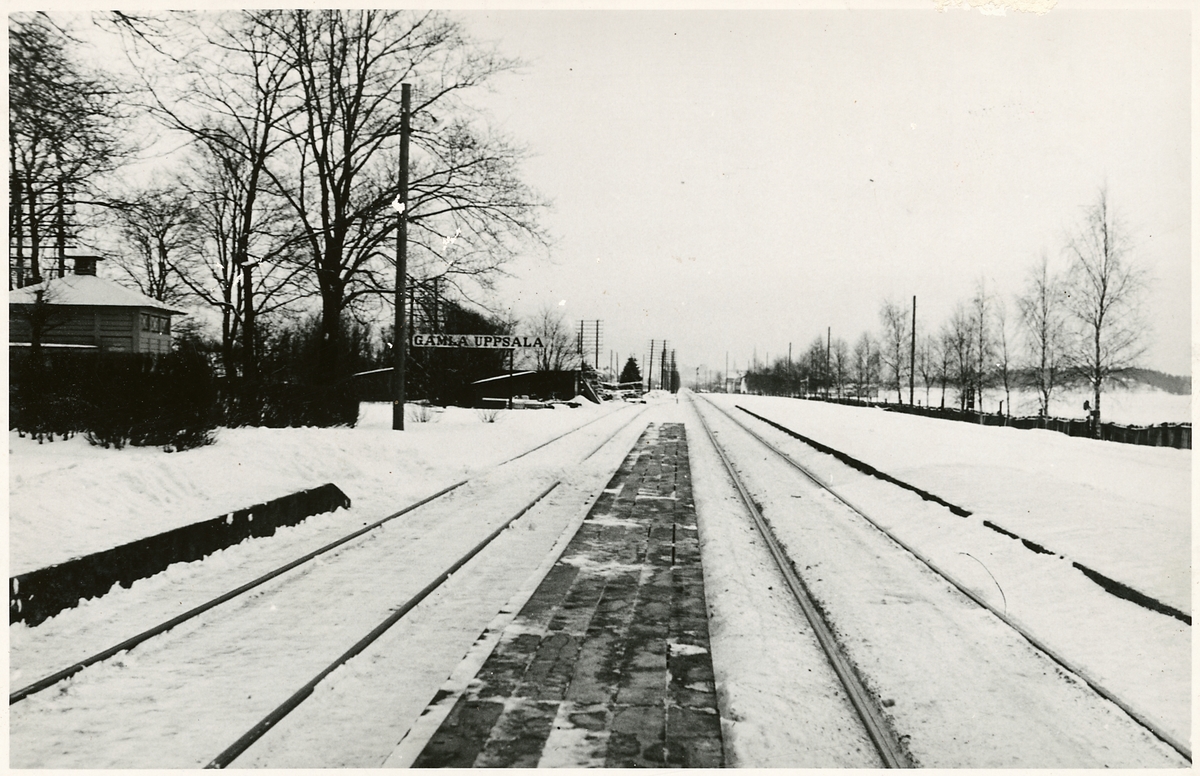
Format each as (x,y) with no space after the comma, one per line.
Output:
(559,385)
(82,310)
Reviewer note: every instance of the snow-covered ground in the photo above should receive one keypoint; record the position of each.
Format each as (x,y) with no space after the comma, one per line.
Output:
(68,498)
(1140,406)
(1120,509)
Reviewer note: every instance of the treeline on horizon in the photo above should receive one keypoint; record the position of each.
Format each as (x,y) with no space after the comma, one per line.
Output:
(1078,323)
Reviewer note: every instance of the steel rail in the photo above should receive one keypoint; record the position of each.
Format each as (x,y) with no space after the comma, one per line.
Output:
(275,716)
(264,726)
(878,730)
(163,627)
(133,641)
(560,436)
(1081,673)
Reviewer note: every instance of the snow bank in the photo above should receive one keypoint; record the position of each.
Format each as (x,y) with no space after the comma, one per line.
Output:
(68,498)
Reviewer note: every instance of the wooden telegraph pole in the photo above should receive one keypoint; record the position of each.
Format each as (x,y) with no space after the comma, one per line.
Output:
(400,346)
(912,355)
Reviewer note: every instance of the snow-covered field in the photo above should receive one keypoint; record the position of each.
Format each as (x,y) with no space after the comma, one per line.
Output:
(1141,406)
(1121,509)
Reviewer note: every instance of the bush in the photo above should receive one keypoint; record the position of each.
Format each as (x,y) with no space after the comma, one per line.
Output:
(421,412)
(283,405)
(487,414)
(114,398)
(167,401)
(173,401)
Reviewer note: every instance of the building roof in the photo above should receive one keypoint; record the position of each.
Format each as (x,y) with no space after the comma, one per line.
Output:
(503,377)
(87,290)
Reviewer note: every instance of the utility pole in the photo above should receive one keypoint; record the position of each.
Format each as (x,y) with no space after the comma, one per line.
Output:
(789,371)
(400,330)
(912,354)
(828,373)
(650,370)
(249,360)
(662,368)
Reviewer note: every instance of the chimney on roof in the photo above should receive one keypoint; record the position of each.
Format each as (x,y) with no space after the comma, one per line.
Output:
(85,265)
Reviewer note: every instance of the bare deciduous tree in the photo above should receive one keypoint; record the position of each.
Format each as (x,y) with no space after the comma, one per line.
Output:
(1042,323)
(157,227)
(560,351)
(467,209)
(1104,299)
(927,361)
(864,371)
(63,125)
(958,343)
(813,366)
(228,93)
(894,345)
(944,353)
(1003,356)
(983,340)
(840,364)
(247,242)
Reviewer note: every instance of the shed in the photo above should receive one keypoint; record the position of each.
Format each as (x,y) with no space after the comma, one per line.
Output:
(535,385)
(84,310)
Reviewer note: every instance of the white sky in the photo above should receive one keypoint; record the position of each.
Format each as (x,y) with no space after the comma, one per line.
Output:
(732,180)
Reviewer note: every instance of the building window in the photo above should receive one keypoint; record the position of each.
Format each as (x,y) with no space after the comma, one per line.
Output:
(156,324)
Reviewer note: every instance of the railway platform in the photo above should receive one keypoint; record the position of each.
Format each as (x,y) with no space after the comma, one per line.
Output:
(608,662)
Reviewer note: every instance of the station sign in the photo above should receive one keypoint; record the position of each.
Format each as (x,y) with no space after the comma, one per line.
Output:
(492,341)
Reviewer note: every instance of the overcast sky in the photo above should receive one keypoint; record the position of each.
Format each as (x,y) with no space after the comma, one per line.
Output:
(741,180)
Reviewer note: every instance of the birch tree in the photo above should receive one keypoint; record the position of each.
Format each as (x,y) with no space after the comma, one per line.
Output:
(1105,290)
(864,365)
(1042,319)
(983,339)
(894,344)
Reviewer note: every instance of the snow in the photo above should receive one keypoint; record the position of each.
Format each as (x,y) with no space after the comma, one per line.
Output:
(86,290)
(1123,509)
(1120,509)
(1142,405)
(104,498)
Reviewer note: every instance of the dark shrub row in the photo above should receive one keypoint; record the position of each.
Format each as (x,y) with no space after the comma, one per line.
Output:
(281,405)
(116,399)
(173,401)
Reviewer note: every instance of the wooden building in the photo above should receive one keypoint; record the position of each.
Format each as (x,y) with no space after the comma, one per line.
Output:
(552,385)
(85,311)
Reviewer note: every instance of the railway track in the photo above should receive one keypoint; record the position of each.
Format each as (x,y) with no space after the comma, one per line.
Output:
(253,646)
(896,600)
